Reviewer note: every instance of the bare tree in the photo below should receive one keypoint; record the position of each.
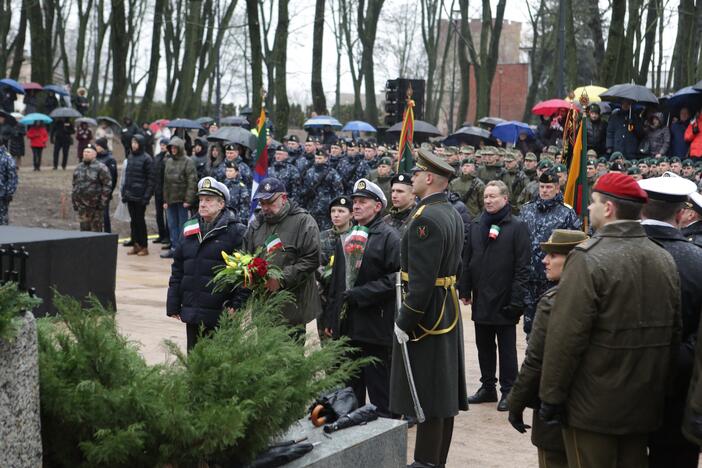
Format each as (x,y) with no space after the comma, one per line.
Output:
(159,8)
(118,41)
(280,46)
(85,9)
(367,24)
(319,102)
(41,30)
(353,51)
(256,63)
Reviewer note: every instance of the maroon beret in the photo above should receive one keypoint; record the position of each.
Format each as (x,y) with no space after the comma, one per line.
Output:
(621,186)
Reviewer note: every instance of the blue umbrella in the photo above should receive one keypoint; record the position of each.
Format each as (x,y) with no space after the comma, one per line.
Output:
(509,131)
(686,97)
(358,126)
(29,119)
(322,121)
(16,87)
(183,123)
(60,90)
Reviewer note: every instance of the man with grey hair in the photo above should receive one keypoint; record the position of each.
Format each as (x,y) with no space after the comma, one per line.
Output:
(494,281)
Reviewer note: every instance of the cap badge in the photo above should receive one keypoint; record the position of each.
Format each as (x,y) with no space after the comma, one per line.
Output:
(361,185)
(342,201)
(267,187)
(207,183)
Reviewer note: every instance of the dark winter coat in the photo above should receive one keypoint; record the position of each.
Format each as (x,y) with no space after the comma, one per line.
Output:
(657,139)
(678,146)
(139,177)
(61,131)
(189,293)
(371,300)
(107,159)
(624,133)
(597,136)
(496,271)
(159,168)
(693,232)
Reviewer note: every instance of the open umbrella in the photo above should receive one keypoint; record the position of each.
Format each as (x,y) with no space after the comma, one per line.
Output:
(490,122)
(29,119)
(65,112)
(235,135)
(322,121)
(420,127)
(9,118)
(204,120)
(89,120)
(631,92)
(235,121)
(509,131)
(552,106)
(686,97)
(10,83)
(246,111)
(109,120)
(358,126)
(183,123)
(592,91)
(698,85)
(60,90)
(32,86)
(469,135)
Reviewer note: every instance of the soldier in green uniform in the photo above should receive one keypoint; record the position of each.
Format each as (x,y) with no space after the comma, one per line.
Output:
(382,175)
(92,187)
(429,320)
(469,187)
(491,169)
(403,201)
(530,163)
(514,179)
(612,335)
(525,391)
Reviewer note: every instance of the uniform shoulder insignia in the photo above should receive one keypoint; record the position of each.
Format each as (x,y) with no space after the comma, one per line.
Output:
(241,184)
(418,213)
(423,231)
(567,205)
(588,244)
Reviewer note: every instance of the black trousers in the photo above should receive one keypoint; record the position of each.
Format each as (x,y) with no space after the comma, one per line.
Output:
(161,218)
(375,378)
(106,223)
(61,147)
(193,334)
(506,336)
(36,157)
(137,223)
(433,441)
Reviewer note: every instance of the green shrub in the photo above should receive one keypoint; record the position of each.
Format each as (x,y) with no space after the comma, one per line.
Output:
(12,303)
(102,405)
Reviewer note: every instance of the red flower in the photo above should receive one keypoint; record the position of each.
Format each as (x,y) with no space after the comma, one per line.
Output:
(258,267)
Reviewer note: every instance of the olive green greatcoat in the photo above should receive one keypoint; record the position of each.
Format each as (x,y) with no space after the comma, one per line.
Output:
(470,189)
(525,392)
(613,332)
(430,248)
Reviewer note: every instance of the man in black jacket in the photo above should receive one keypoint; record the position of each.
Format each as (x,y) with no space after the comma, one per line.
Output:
(104,155)
(137,191)
(494,281)
(191,298)
(362,298)
(661,216)
(61,131)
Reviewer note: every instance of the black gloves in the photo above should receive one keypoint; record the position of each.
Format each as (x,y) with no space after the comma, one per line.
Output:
(552,414)
(517,421)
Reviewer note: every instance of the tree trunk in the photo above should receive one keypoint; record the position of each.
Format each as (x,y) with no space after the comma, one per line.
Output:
(5,20)
(145,107)
(256,63)
(280,46)
(536,58)
(319,101)
(571,56)
(609,72)
(356,72)
(488,55)
(594,23)
(463,63)
(18,44)
(430,20)
(118,44)
(83,17)
(367,29)
(40,32)
(190,53)
(650,41)
(626,65)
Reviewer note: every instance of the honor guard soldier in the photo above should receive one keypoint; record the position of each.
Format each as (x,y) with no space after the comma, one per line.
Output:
(662,214)
(429,322)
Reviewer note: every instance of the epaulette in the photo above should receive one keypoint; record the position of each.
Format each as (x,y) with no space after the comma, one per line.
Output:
(241,184)
(588,244)
(418,213)
(567,205)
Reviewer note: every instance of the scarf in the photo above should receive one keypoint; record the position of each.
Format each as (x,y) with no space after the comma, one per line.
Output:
(488,219)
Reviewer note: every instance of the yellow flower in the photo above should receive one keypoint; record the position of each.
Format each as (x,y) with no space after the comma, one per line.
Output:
(331,261)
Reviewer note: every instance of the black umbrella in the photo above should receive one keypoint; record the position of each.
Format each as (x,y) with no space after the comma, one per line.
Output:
(235,121)
(236,135)
(337,404)
(183,123)
(65,112)
(204,120)
(9,118)
(469,135)
(630,92)
(362,415)
(246,111)
(88,120)
(420,127)
(490,122)
(281,454)
(698,85)
(109,120)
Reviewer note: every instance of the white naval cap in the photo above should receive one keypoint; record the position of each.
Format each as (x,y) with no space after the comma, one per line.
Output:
(669,187)
(211,186)
(366,188)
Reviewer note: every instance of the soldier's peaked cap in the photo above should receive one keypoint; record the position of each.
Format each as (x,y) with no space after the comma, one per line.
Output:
(268,188)
(211,186)
(668,188)
(367,189)
(429,162)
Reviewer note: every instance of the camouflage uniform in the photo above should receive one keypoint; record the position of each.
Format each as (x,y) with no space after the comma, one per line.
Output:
(92,188)
(320,185)
(303,162)
(398,218)
(516,181)
(286,172)
(8,184)
(327,243)
(470,189)
(245,173)
(488,173)
(541,218)
(239,199)
(352,168)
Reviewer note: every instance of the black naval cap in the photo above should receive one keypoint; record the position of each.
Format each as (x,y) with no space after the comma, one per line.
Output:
(429,162)
(401,179)
(343,201)
(230,147)
(668,188)
(90,146)
(549,177)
